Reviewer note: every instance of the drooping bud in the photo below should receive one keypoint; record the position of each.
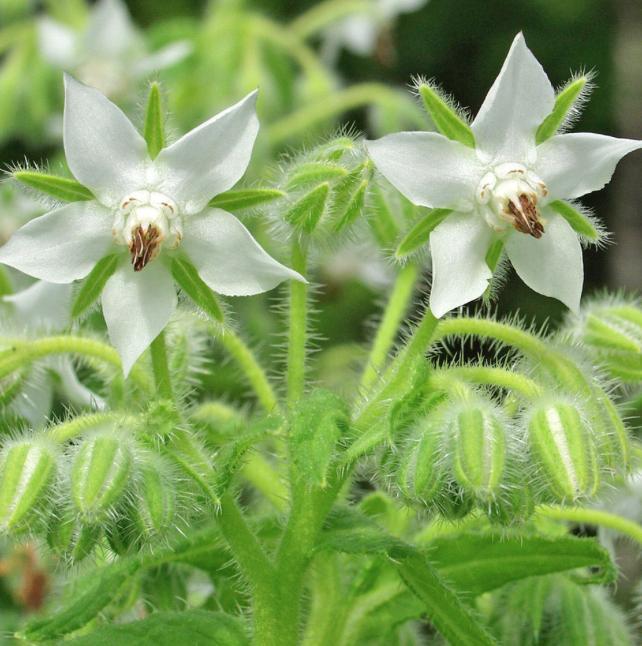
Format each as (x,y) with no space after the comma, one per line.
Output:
(154,500)
(564,449)
(420,469)
(100,473)
(70,537)
(478,436)
(27,468)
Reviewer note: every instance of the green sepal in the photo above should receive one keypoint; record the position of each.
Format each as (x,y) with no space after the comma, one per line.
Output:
(93,285)
(563,104)
(446,120)
(381,220)
(313,173)
(420,232)
(154,129)
(317,424)
(579,222)
(353,208)
(247,198)
(187,278)
(349,196)
(306,212)
(62,188)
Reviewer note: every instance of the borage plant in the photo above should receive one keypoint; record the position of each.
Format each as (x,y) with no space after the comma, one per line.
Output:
(425,498)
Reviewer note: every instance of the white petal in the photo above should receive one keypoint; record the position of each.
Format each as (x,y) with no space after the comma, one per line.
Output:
(104,151)
(136,307)
(162,58)
(552,265)
(358,34)
(57,43)
(228,258)
(42,305)
(459,271)
(429,169)
(211,158)
(71,387)
(578,163)
(110,31)
(62,245)
(519,100)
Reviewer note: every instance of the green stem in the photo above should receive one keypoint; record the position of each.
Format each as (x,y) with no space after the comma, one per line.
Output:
(492,376)
(388,328)
(248,363)
(337,103)
(594,517)
(298,323)
(325,13)
(61,433)
(162,377)
(23,352)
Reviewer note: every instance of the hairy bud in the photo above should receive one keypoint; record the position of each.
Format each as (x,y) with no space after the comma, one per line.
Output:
(100,472)
(71,538)
(27,468)
(563,447)
(155,502)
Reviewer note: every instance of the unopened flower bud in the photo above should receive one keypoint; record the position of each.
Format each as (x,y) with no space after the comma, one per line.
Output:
(27,467)
(100,473)
(70,537)
(562,445)
(155,504)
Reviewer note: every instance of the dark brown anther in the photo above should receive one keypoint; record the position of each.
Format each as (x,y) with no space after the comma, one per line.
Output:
(144,246)
(526,216)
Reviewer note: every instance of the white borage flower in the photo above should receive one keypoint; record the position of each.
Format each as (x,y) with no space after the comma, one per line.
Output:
(143,207)
(359,33)
(109,53)
(502,187)
(44,307)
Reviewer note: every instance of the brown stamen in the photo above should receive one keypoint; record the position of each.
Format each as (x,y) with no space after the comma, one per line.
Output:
(144,246)
(526,216)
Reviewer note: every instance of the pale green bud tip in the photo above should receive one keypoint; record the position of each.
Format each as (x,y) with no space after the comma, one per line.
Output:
(564,450)
(100,473)
(26,467)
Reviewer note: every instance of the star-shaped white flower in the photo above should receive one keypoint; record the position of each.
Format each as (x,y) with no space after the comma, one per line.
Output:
(44,307)
(502,188)
(360,32)
(109,53)
(147,211)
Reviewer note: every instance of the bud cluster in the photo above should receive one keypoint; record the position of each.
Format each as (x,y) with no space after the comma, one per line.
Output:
(105,484)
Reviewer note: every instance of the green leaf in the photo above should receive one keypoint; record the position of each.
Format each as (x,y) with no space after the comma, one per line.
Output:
(93,285)
(446,120)
(239,199)
(563,104)
(579,222)
(154,130)
(62,188)
(317,424)
(91,594)
(194,627)
(450,616)
(420,232)
(477,563)
(186,275)
(306,212)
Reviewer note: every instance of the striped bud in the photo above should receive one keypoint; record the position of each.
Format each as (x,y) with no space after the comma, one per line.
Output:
(155,505)
(27,467)
(71,538)
(478,435)
(563,448)
(99,474)
(420,470)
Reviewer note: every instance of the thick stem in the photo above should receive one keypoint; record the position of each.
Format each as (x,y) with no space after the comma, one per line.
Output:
(390,322)
(162,377)
(594,517)
(298,323)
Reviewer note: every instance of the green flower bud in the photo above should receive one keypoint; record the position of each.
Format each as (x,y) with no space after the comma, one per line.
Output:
(478,438)
(155,502)
(562,445)
(515,505)
(27,467)
(99,474)
(420,468)
(71,538)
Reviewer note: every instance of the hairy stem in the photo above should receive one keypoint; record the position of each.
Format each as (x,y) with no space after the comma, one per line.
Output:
(298,323)
(491,376)
(390,323)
